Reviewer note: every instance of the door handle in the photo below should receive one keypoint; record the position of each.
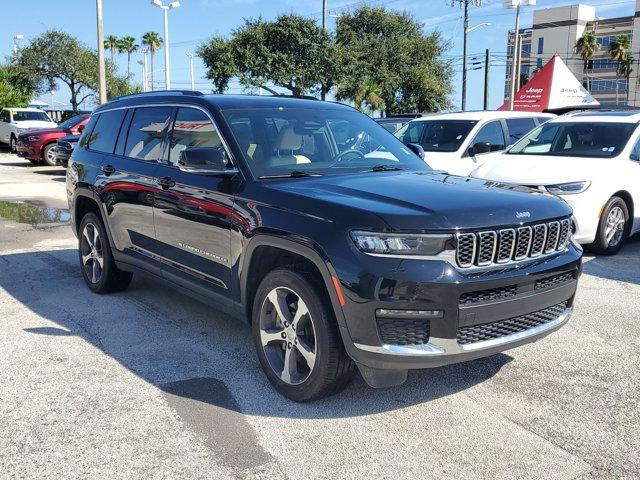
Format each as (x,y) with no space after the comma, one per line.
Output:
(165,182)
(108,169)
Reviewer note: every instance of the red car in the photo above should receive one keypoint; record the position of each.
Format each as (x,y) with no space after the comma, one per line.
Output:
(39,145)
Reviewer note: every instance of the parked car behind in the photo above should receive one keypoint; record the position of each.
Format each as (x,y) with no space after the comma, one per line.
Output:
(64,149)
(591,160)
(14,121)
(396,122)
(338,258)
(457,142)
(38,145)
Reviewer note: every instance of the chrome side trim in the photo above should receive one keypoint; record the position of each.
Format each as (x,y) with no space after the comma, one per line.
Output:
(449,346)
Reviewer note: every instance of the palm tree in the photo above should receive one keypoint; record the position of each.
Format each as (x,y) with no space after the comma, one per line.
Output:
(368,96)
(112,43)
(128,45)
(586,47)
(153,42)
(619,51)
(625,69)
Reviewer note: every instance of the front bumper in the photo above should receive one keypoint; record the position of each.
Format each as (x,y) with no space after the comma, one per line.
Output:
(513,294)
(28,150)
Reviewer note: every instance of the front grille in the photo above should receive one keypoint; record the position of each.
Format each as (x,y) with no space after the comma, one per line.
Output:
(490,247)
(490,295)
(403,331)
(502,328)
(556,280)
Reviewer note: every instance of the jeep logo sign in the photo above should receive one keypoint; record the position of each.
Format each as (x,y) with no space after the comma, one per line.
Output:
(523,214)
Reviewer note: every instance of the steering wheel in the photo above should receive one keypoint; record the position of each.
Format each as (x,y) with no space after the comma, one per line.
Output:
(339,158)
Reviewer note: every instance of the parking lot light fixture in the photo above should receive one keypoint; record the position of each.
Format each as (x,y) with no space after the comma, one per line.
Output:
(165,11)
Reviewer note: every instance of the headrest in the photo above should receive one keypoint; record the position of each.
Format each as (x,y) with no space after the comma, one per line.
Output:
(288,140)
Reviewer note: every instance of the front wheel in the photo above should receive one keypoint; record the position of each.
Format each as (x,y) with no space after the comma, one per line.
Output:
(297,338)
(49,155)
(13,144)
(613,228)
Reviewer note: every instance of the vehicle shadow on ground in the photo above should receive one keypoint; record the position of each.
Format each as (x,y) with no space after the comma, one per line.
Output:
(624,267)
(190,351)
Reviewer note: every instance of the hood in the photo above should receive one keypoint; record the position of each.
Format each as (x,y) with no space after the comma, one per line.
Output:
(538,169)
(70,138)
(425,200)
(36,124)
(47,131)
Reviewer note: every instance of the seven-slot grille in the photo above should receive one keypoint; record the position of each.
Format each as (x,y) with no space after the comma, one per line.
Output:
(504,246)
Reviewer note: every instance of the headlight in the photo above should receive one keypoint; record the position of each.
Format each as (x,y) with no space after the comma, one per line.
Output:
(402,244)
(568,188)
(33,138)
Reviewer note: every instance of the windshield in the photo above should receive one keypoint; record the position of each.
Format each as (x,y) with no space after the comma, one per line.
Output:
(278,141)
(71,122)
(21,116)
(575,139)
(436,135)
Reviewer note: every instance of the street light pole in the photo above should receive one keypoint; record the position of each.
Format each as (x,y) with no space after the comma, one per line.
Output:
(193,82)
(145,74)
(325,14)
(516,51)
(464,56)
(16,39)
(165,11)
(102,79)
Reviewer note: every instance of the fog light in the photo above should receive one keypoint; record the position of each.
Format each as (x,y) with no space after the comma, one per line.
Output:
(417,314)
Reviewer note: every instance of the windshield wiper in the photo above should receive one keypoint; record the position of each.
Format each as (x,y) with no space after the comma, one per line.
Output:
(384,168)
(292,174)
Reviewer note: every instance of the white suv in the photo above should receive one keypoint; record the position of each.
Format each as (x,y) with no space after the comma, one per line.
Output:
(458,142)
(14,121)
(591,160)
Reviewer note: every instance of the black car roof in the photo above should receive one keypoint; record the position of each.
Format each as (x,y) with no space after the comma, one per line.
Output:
(220,101)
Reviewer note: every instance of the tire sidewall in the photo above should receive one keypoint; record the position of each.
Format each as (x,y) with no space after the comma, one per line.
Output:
(320,315)
(13,144)
(602,246)
(101,285)
(45,159)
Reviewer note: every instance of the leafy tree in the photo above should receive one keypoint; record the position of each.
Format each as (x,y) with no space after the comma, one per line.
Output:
(586,47)
(368,97)
(153,42)
(112,43)
(292,52)
(128,45)
(619,51)
(391,48)
(625,69)
(16,89)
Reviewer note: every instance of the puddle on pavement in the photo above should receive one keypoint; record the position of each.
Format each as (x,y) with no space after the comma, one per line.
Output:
(34,215)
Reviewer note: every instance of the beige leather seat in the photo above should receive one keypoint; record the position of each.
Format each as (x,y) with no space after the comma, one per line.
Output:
(287,142)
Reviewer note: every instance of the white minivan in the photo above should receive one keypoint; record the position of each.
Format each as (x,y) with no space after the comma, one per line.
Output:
(14,121)
(456,142)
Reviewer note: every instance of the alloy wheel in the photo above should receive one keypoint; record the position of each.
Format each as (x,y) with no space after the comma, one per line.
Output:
(614,227)
(92,253)
(287,335)
(51,157)
(13,144)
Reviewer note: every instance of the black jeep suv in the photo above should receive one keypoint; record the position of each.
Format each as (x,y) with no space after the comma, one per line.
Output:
(335,241)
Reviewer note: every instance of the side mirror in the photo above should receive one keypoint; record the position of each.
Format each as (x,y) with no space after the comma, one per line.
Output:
(417,149)
(205,161)
(80,128)
(479,149)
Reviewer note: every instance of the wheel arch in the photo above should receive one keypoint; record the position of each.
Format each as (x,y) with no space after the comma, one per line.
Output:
(85,201)
(628,199)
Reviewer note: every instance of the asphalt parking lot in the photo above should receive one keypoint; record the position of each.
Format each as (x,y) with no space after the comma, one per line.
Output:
(150,384)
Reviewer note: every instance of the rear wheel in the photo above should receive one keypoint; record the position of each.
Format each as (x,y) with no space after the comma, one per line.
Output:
(96,259)
(49,155)
(297,338)
(613,228)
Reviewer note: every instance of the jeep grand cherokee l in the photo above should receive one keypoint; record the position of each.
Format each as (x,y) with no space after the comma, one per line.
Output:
(338,258)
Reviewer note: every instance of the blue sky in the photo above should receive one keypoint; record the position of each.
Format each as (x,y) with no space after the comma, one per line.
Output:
(197,20)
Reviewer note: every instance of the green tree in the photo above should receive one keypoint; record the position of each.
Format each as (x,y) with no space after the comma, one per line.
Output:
(368,98)
(16,89)
(625,69)
(153,42)
(586,47)
(128,45)
(112,43)
(619,52)
(390,47)
(57,56)
(292,52)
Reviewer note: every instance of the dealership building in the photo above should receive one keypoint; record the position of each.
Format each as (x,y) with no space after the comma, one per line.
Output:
(556,30)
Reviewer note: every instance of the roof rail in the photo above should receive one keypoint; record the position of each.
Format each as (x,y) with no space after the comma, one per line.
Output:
(161,92)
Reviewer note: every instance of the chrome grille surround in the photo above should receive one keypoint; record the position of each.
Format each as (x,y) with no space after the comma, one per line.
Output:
(509,245)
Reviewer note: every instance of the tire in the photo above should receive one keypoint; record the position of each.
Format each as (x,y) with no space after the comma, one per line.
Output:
(13,144)
(615,216)
(48,155)
(314,335)
(97,265)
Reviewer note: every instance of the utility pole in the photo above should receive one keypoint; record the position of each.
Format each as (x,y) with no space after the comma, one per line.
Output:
(325,19)
(101,67)
(145,73)
(516,54)
(464,4)
(193,82)
(486,78)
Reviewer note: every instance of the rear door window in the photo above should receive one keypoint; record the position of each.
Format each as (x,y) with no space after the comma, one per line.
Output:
(492,134)
(518,128)
(146,133)
(105,133)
